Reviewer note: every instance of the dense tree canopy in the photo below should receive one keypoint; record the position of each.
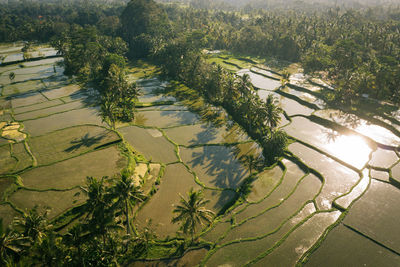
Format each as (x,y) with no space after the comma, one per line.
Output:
(144,27)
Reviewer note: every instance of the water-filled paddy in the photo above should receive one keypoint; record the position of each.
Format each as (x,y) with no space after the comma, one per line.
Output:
(42,105)
(63,120)
(338,178)
(205,134)
(7,213)
(57,201)
(165,118)
(176,180)
(216,166)
(268,217)
(62,91)
(151,143)
(73,172)
(27,99)
(70,142)
(351,149)
(376,214)
(354,250)
(299,241)
(23,87)
(279,215)
(376,132)
(260,81)
(49,111)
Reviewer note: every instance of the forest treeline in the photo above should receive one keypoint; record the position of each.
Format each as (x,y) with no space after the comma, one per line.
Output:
(358,50)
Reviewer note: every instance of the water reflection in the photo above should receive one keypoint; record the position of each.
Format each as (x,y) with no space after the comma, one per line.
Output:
(350,148)
(377,133)
(260,81)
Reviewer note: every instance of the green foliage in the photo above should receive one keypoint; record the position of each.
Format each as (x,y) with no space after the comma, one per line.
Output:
(33,225)
(274,146)
(191,213)
(11,76)
(127,195)
(86,52)
(144,27)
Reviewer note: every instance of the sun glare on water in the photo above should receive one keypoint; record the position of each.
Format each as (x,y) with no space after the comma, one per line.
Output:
(351,149)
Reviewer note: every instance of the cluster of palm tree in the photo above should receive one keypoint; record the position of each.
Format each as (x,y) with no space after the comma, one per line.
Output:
(95,239)
(102,236)
(99,59)
(358,50)
(181,60)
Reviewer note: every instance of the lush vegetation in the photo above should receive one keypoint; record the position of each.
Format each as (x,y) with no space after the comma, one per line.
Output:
(357,51)
(41,20)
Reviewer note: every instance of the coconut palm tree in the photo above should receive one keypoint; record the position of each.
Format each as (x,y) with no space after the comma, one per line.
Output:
(128,195)
(244,84)
(191,212)
(100,208)
(285,78)
(11,76)
(272,112)
(33,225)
(11,243)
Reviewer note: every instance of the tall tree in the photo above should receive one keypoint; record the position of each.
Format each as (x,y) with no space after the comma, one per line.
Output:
(145,27)
(272,112)
(191,213)
(128,195)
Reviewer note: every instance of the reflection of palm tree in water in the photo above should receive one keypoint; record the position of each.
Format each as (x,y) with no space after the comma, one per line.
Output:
(345,119)
(331,135)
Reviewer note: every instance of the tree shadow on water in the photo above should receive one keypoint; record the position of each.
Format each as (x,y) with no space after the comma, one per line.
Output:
(207,135)
(84,141)
(220,162)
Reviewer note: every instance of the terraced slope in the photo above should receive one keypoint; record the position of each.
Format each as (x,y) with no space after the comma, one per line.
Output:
(332,200)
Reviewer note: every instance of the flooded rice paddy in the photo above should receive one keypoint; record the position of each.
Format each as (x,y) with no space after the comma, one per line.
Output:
(332,201)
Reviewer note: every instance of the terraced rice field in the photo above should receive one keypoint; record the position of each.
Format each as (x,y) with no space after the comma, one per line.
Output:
(51,138)
(333,198)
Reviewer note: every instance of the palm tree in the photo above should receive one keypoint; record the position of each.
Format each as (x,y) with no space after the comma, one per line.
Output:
(250,161)
(108,111)
(11,243)
(33,224)
(128,195)
(11,76)
(272,112)
(192,212)
(285,78)
(244,84)
(100,210)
